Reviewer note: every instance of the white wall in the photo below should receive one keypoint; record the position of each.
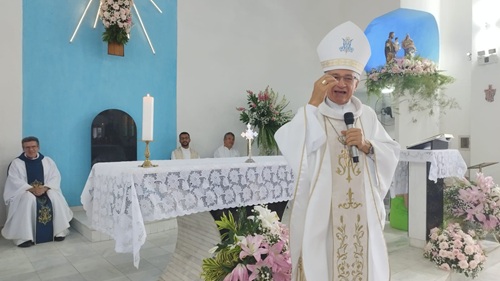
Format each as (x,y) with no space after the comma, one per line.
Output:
(484,116)
(455,40)
(10,89)
(226,47)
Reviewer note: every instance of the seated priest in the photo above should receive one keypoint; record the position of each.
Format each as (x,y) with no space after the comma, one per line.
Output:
(227,150)
(36,209)
(184,151)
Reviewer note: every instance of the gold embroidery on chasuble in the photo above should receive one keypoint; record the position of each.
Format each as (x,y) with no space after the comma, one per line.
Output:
(44,214)
(348,210)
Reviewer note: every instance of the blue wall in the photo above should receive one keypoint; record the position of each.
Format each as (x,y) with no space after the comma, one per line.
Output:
(65,85)
(421,26)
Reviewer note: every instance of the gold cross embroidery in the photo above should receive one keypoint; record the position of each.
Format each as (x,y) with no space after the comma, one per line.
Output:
(349,204)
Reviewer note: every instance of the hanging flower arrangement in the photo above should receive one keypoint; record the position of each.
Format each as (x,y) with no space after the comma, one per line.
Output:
(413,79)
(116,15)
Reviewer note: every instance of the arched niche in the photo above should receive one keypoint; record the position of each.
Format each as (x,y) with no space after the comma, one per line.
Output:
(420,26)
(113,137)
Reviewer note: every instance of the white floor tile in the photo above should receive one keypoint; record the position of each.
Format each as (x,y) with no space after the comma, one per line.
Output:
(176,255)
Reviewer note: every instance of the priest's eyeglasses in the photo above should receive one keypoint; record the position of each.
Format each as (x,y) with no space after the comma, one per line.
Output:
(348,79)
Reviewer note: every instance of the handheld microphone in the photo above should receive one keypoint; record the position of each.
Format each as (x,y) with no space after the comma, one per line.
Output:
(349,121)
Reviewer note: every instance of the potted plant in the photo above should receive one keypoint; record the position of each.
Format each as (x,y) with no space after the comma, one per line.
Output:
(266,112)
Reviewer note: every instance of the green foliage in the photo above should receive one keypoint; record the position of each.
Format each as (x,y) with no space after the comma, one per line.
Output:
(115,34)
(416,81)
(216,268)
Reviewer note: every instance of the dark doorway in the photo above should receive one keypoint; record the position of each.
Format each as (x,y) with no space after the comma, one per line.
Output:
(113,137)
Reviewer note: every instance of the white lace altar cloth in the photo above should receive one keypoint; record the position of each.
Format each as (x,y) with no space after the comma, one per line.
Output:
(444,163)
(120,196)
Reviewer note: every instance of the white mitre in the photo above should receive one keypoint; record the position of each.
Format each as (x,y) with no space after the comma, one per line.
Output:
(344,47)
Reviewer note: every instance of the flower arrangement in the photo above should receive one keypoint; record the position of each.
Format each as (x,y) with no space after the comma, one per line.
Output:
(267,114)
(453,249)
(475,205)
(253,248)
(116,15)
(413,79)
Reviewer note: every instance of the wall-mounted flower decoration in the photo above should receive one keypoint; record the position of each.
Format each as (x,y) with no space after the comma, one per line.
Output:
(116,15)
(413,79)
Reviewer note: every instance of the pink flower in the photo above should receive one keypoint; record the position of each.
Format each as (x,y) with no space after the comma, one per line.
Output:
(276,259)
(443,253)
(443,245)
(457,243)
(463,264)
(445,266)
(255,269)
(239,273)
(473,264)
(251,246)
(461,257)
(469,250)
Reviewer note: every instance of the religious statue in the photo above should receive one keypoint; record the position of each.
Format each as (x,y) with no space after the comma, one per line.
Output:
(390,48)
(409,46)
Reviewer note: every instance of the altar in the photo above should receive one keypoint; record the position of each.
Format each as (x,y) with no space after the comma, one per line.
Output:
(119,197)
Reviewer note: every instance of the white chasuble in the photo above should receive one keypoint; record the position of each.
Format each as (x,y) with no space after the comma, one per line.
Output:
(318,226)
(349,228)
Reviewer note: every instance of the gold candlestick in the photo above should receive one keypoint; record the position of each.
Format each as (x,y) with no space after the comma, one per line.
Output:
(147,163)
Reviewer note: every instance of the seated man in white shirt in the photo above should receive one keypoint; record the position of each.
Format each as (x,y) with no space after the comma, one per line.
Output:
(227,150)
(184,151)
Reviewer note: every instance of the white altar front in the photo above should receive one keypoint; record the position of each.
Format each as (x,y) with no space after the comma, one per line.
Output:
(411,177)
(120,196)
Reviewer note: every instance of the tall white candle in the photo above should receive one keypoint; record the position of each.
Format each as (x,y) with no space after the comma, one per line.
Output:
(147,117)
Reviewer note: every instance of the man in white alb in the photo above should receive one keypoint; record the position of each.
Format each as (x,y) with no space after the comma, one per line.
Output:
(184,151)
(36,209)
(338,214)
(227,150)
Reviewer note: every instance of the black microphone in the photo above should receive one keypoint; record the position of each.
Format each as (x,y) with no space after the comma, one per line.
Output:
(349,121)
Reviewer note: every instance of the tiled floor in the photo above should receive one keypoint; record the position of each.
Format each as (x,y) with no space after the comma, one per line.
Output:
(78,259)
